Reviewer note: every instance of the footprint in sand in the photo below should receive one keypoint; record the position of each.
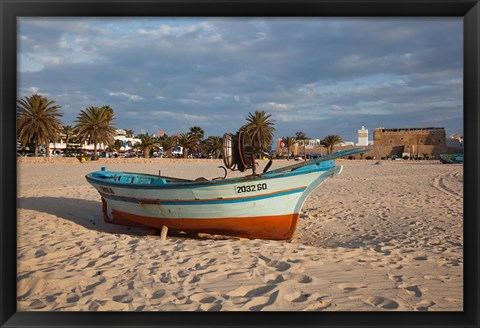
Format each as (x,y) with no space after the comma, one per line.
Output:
(413,290)
(37,304)
(203,298)
(349,287)
(395,278)
(305,279)
(124,298)
(297,296)
(424,305)
(40,253)
(208,307)
(72,298)
(158,294)
(273,278)
(379,302)
(442,278)
(262,302)
(278,265)
(260,291)
(420,258)
(93,306)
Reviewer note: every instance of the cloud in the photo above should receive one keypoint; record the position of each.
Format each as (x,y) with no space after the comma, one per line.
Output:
(124,94)
(316,74)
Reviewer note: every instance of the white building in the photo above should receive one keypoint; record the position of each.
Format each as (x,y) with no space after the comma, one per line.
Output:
(363,137)
(57,148)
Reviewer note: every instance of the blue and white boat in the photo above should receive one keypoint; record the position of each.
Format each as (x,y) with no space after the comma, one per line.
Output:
(265,206)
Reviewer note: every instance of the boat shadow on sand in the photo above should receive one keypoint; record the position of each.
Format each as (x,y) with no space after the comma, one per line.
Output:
(88,214)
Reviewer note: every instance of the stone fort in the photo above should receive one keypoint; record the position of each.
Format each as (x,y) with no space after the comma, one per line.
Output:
(421,142)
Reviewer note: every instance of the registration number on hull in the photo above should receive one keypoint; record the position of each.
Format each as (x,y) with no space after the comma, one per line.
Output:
(250,188)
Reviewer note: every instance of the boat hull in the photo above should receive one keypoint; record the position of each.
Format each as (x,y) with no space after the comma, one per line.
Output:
(275,227)
(263,208)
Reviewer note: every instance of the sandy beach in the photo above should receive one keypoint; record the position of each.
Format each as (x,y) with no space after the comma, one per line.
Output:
(385,237)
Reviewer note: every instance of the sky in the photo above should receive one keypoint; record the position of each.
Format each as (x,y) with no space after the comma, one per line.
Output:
(317,75)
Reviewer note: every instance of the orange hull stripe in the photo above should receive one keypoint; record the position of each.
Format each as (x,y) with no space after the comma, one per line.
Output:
(155,201)
(279,227)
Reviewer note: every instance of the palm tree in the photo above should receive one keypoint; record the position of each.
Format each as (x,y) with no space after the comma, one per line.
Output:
(186,140)
(302,136)
(94,125)
(147,142)
(136,147)
(168,143)
(260,128)
(109,111)
(330,141)
(69,134)
(129,133)
(198,133)
(37,121)
(214,144)
(289,143)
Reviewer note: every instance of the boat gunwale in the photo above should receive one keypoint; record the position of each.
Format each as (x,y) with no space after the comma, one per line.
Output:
(200,183)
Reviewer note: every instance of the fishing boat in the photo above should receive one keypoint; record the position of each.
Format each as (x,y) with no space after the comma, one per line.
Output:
(451,158)
(264,206)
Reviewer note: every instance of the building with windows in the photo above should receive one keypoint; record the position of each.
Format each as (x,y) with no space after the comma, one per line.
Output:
(59,146)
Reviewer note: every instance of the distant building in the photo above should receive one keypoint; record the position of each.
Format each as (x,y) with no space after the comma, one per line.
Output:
(59,146)
(160,133)
(412,142)
(362,137)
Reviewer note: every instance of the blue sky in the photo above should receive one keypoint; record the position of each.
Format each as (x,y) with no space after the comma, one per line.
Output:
(317,75)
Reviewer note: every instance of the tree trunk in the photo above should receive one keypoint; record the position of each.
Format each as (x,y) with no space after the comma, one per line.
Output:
(146,152)
(36,147)
(47,148)
(95,151)
(185,152)
(304,150)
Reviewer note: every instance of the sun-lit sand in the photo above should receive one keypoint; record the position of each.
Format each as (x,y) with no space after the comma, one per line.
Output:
(377,237)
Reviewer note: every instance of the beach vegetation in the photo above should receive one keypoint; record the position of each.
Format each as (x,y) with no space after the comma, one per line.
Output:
(330,141)
(72,145)
(168,143)
(94,125)
(289,143)
(260,128)
(69,133)
(187,141)
(38,121)
(213,145)
(198,134)
(148,143)
(302,136)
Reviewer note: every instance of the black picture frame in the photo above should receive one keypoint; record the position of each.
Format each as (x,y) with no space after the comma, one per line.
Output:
(10,10)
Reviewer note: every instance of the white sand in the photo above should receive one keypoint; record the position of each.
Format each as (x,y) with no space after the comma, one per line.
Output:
(377,237)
